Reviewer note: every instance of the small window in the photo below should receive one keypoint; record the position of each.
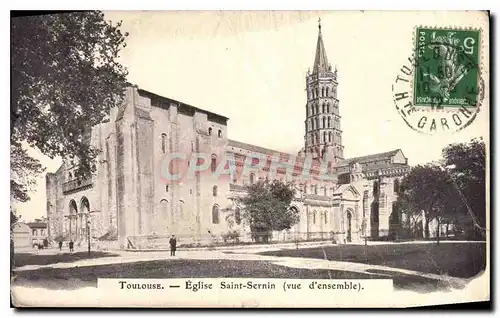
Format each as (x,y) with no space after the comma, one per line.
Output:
(214,191)
(163,143)
(33,232)
(326,219)
(213,165)
(210,131)
(396,185)
(215,214)
(219,133)
(237,216)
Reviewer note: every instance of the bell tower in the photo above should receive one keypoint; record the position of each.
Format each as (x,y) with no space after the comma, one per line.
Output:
(323,137)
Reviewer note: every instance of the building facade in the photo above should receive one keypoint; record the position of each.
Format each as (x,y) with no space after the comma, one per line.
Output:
(30,234)
(132,198)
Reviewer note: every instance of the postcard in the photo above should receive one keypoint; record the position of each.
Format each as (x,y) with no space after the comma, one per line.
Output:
(270,159)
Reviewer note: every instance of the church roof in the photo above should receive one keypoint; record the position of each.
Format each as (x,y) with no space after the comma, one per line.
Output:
(242,145)
(321,60)
(381,155)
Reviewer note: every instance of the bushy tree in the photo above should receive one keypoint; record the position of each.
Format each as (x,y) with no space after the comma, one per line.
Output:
(266,208)
(428,188)
(469,173)
(65,78)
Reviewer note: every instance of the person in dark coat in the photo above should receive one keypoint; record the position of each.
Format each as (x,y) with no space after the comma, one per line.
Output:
(60,245)
(173,245)
(71,244)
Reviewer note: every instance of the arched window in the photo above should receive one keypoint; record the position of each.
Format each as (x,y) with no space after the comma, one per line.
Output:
(329,122)
(324,136)
(219,133)
(324,107)
(314,217)
(322,91)
(213,165)
(312,124)
(317,122)
(252,178)
(163,143)
(181,209)
(215,214)
(317,108)
(328,107)
(237,216)
(330,136)
(209,131)
(214,191)
(324,122)
(324,191)
(327,91)
(326,218)
(317,92)
(396,185)
(317,138)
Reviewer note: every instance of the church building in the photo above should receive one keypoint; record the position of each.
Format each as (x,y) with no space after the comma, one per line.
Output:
(132,202)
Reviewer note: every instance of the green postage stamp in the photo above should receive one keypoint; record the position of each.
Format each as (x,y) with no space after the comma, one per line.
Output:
(447,67)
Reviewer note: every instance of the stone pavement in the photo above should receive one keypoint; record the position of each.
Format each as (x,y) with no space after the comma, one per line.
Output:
(245,254)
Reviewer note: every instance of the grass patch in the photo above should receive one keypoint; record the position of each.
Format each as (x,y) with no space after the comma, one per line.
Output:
(462,260)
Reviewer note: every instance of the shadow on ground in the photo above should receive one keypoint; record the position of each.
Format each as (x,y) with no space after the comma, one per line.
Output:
(79,277)
(23,259)
(462,260)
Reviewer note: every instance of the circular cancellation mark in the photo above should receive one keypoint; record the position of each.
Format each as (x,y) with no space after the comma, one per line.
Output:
(440,88)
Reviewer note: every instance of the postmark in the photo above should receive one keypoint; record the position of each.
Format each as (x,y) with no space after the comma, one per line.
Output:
(440,88)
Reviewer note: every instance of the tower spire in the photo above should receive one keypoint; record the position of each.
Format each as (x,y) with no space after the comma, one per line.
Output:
(320,61)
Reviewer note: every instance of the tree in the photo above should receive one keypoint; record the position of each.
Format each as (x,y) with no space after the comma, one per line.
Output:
(266,208)
(469,175)
(65,79)
(429,188)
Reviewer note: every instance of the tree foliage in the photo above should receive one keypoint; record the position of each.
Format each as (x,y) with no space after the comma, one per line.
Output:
(444,191)
(469,173)
(266,208)
(428,188)
(65,79)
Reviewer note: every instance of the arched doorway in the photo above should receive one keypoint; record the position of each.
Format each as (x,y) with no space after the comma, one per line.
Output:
(72,220)
(349,226)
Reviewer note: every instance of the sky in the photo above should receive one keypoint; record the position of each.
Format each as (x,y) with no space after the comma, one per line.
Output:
(251,67)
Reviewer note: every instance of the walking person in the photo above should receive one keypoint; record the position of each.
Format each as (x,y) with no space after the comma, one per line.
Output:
(60,245)
(71,244)
(173,245)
